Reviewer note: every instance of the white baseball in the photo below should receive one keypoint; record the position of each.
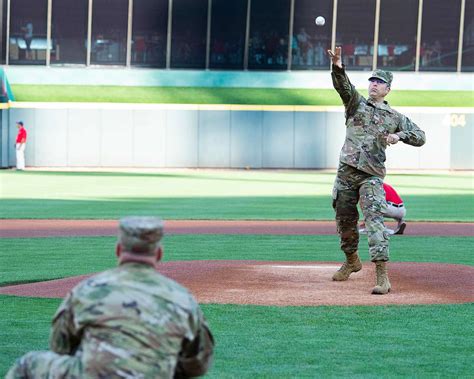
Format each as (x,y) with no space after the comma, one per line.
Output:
(320,21)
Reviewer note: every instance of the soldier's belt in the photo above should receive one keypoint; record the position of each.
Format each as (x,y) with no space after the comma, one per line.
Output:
(395,205)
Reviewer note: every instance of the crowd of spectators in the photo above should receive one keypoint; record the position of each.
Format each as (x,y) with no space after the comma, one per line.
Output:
(309,50)
(226,53)
(269,48)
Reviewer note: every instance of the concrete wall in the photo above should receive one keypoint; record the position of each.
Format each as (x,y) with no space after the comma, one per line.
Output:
(3,138)
(128,135)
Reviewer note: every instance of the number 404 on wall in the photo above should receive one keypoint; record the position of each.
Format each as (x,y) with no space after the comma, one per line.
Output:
(455,120)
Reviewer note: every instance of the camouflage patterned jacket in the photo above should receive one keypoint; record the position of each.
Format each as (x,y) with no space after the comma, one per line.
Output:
(367,125)
(133,322)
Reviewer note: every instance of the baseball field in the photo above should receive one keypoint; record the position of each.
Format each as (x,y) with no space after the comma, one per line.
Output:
(258,249)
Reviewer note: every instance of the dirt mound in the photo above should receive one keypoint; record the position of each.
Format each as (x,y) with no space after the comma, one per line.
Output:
(297,283)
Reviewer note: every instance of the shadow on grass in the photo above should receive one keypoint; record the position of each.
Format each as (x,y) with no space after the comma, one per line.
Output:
(302,207)
(27,281)
(444,183)
(318,178)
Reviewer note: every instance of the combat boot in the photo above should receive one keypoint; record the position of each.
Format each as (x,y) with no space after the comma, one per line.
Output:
(352,264)
(383,284)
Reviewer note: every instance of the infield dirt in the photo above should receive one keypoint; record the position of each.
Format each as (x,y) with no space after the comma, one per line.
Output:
(270,283)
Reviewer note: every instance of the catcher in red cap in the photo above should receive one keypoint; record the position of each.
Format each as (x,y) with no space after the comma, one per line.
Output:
(395,209)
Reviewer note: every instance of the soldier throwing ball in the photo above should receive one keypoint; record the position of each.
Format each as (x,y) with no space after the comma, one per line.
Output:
(127,322)
(371,125)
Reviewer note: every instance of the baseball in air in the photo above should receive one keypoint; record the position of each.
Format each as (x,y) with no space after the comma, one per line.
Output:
(320,21)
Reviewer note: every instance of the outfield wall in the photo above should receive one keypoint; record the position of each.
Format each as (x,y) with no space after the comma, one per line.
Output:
(220,136)
(3,139)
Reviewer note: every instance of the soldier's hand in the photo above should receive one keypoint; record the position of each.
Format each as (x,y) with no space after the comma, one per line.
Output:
(336,56)
(392,139)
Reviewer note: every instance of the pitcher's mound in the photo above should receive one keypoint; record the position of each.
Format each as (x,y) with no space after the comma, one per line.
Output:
(297,283)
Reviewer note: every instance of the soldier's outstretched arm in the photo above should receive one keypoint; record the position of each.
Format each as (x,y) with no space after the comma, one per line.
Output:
(63,338)
(196,356)
(350,97)
(410,133)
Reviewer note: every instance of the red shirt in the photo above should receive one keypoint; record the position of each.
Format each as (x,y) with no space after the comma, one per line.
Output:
(21,136)
(392,195)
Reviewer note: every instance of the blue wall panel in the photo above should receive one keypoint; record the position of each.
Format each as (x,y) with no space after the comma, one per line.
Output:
(310,137)
(278,139)
(51,146)
(246,139)
(4,148)
(181,138)
(405,156)
(438,139)
(116,138)
(462,139)
(214,139)
(335,135)
(84,137)
(149,144)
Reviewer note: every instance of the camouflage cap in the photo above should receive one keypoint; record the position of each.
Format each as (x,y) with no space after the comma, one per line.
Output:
(140,235)
(386,76)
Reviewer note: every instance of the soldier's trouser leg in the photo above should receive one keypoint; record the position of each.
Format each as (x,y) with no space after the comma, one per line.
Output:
(374,206)
(347,216)
(46,365)
(345,205)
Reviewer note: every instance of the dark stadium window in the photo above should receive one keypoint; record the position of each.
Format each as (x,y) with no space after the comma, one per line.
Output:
(397,35)
(69,32)
(355,33)
(468,38)
(28,20)
(268,41)
(149,32)
(228,22)
(109,32)
(189,33)
(3,31)
(439,40)
(310,42)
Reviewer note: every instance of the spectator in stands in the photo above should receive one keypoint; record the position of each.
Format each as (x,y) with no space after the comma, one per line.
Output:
(436,53)
(28,37)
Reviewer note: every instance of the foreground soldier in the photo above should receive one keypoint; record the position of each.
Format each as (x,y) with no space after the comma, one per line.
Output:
(371,125)
(128,322)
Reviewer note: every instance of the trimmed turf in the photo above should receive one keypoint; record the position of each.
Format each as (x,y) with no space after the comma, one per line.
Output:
(295,342)
(216,194)
(342,342)
(252,341)
(54,258)
(209,95)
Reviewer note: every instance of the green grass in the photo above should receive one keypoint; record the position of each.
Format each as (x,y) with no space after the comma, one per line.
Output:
(433,341)
(60,257)
(295,342)
(216,194)
(206,95)
(342,342)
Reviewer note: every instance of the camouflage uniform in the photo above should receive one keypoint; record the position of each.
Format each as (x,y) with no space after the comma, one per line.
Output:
(128,322)
(361,168)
